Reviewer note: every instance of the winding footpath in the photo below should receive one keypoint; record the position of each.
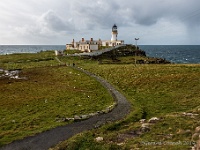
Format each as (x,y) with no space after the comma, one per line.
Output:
(47,139)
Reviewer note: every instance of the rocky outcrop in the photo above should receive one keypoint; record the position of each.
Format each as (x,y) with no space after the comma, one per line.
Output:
(11,74)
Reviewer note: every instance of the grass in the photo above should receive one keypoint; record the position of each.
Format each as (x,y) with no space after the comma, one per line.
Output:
(163,91)
(47,95)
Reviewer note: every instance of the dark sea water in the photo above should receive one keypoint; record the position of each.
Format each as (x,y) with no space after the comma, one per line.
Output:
(173,53)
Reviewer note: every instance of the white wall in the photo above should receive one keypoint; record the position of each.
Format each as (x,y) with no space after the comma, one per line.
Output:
(93,47)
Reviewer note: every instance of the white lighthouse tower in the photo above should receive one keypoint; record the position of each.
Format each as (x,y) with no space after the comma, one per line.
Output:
(114,33)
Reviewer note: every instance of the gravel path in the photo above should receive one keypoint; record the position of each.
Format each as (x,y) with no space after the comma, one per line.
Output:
(47,139)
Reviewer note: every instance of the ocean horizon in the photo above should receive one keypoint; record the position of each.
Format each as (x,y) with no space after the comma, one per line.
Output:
(182,54)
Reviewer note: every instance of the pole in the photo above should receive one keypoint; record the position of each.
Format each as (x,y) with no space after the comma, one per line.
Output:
(136,39)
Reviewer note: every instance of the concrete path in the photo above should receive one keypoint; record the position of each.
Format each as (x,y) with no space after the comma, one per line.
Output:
(47,139)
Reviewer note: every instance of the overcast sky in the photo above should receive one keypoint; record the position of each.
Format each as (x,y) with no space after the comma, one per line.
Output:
(59,21)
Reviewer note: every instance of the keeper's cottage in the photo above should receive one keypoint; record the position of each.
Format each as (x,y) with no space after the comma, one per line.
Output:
(93,45)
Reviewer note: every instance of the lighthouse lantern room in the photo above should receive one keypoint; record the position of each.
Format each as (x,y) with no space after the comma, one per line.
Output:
(114,33)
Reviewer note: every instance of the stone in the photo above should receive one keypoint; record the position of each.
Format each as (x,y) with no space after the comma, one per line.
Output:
(84,116)
(145,127)
(142,120)
(190,114)
(197,129)
(195,136)
(99,139)
(92,114)
(68,119)
(153,120)
(76,117)
(198,145)
(180,131)
(107,110)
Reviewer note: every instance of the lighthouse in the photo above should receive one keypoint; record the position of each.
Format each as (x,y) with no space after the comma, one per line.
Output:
(114,33)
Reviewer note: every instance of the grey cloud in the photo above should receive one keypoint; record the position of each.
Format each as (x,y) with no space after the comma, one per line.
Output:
(51,20)
(104,13)
(97,14)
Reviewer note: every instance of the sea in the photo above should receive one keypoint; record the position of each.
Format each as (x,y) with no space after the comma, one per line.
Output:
(180,54)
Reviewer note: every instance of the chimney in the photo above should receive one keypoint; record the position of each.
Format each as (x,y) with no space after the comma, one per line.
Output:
(91,39)
(82,39)
(73,43)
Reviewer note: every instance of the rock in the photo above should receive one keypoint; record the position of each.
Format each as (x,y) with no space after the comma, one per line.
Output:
(99,112)
(99,139)
(93,114)
(145,127)
(197,129)
(106,110)
(153,120)
(76,117)
(68,119)
(198,145)
(190,114)
(188,131)
(142,120)
(195,136)
(180,131)
(84,116)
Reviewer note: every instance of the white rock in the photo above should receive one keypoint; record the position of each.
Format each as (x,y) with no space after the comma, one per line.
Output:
(153,120)
(99,139)
(84,116)
(76,117)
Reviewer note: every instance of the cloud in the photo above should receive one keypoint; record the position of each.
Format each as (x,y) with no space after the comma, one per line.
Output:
(54,22)
(49,22)
(104,13)
(47,19)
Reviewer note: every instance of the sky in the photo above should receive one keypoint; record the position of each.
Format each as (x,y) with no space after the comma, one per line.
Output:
(57,22)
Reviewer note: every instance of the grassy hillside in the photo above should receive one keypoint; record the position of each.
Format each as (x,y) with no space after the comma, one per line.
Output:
(169,92)
(45,95)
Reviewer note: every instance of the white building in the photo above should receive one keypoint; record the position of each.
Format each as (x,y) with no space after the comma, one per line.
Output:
(113,41)
(93,45)
(84,45)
